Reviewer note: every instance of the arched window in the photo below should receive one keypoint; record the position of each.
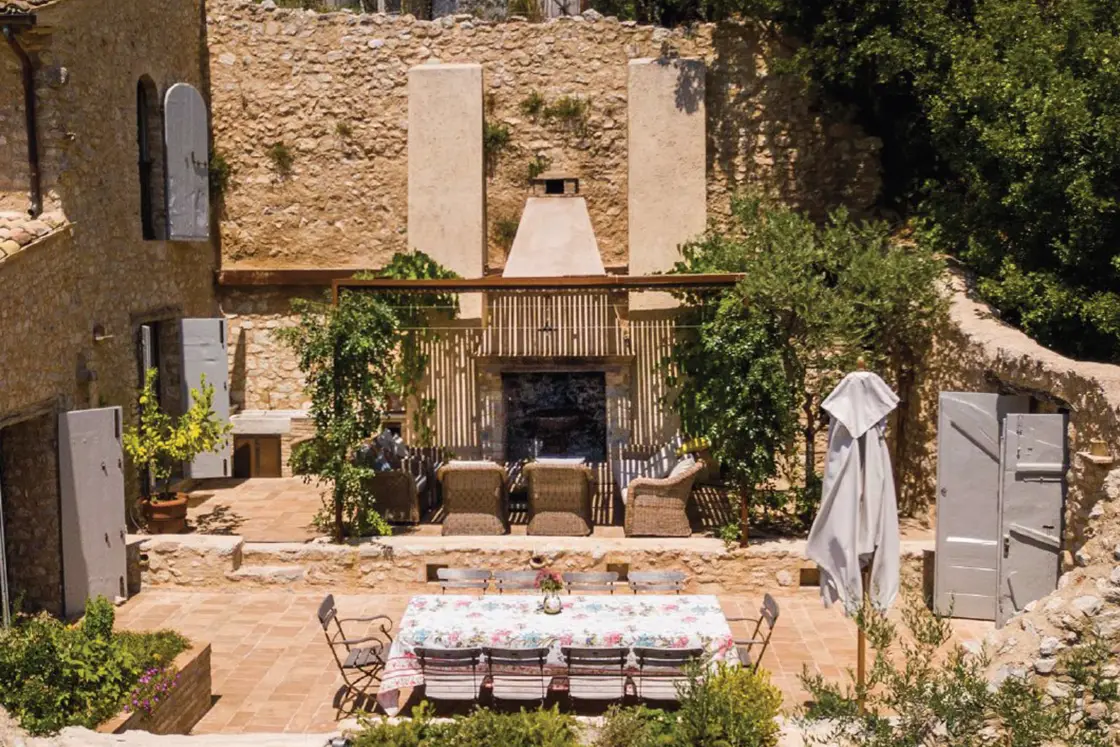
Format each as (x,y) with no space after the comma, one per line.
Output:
(149,140)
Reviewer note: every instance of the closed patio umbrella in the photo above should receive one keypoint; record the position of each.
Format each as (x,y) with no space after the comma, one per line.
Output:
(857,524)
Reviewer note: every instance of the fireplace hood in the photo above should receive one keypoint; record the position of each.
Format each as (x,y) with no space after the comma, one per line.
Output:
(554,239)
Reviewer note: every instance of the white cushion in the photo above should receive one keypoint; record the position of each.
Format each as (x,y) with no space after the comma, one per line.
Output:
(662,461)
(559,460)
(686,463)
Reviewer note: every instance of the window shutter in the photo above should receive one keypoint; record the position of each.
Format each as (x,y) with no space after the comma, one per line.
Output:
(186,144)
(204,353)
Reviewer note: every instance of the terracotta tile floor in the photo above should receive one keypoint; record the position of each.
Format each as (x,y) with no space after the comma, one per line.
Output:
(280,510)
(272,671)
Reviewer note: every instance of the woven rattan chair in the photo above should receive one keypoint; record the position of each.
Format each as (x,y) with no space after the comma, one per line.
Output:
(474,498)
(395,496)
(657,508)
(559,499)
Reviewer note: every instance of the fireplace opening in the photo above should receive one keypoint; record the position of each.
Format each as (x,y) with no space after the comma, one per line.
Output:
(556,414)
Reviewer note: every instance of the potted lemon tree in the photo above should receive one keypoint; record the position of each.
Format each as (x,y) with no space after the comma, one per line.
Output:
(159,442)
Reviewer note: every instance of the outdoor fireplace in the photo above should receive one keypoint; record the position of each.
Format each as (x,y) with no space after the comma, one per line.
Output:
(555,414)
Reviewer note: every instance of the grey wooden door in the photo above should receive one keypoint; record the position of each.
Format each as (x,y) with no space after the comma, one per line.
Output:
(91,487)
(1032,499)
(204,354)
(968,458)
(186,145)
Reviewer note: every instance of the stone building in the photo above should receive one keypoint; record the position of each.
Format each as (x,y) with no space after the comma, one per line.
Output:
(84,255)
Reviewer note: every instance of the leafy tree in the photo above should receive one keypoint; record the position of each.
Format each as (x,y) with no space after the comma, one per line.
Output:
(755,363)
(355,356)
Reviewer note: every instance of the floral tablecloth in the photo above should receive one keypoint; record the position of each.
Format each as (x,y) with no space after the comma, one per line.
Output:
(515,621)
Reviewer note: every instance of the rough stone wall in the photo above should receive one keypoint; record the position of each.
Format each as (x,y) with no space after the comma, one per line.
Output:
(32,521)
(95,269)
(264,374)
(979,353)
(333,89)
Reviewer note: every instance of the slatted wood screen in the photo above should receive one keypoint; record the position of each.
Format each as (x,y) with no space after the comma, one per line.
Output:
(553,324)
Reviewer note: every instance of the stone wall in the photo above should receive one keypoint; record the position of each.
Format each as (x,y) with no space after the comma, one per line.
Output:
(264,374)
(332,88)
(29,495)
(98,270)
(89,267)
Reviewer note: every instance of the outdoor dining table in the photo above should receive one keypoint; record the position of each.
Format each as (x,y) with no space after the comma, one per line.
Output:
(516,621)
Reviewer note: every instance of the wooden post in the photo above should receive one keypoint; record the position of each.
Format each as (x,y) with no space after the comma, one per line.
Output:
(861,638)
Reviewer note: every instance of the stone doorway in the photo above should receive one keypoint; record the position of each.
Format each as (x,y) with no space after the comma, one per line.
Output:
(29,499)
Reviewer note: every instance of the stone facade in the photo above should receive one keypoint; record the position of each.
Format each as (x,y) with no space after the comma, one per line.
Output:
(29,497)
(333,89)
(84,278)
(264,374)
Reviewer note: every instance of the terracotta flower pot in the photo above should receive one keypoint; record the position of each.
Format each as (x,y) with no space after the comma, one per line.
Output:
(167,517)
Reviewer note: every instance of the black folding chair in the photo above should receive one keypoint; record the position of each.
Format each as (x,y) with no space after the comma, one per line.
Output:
(768,616)
(359,665)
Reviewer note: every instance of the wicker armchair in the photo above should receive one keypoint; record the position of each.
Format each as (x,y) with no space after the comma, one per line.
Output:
(474,498)
(656,508)
(395,496)
(559,499)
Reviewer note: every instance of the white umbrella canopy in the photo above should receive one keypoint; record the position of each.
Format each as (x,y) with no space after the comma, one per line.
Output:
(858,517)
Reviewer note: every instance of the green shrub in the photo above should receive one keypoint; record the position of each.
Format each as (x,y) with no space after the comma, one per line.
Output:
(540,728)
(53,675)
(636,727)
(728,707)
(540,164)
(505,231)
(570,111)
(220,173)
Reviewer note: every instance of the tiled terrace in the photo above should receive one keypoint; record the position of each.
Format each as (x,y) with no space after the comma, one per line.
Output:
(272,670)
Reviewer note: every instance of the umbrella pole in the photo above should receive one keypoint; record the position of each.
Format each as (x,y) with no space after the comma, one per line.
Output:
(861,637)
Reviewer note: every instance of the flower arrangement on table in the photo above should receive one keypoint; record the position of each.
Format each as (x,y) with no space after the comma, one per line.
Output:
(550,583)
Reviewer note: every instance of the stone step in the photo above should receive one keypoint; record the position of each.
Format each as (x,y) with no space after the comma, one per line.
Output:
(268,575)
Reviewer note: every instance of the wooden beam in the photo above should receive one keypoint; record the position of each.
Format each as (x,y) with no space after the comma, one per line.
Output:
(285,277)
(577,282)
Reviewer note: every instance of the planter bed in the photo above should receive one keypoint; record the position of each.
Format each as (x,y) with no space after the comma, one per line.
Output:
(184,706)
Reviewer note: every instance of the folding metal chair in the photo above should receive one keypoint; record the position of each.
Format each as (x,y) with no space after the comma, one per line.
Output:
(359,665)
(515,580)
(518,673)
(451,673)
(463,578)
(656,581)
(768,615)
(596,673)
(593,581)
(661,670)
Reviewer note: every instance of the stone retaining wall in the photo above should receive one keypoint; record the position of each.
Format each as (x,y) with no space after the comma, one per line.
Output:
(332,88)
(184,706)
(400,565)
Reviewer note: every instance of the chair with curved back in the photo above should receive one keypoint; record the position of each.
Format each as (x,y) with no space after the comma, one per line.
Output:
(360,665)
